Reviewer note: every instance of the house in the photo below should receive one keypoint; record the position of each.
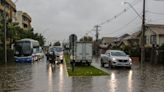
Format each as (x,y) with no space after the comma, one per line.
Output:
(132,40)
(118,41)
(154,35)
(107,41)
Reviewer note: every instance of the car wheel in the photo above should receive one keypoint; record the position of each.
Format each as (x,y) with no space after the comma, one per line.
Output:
(111,66)
(129,67)
(88,63)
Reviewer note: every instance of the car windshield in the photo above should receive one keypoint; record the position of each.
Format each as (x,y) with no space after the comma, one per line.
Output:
(118,53)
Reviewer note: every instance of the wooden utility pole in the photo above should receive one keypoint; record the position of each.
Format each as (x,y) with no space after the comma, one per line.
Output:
(143,35)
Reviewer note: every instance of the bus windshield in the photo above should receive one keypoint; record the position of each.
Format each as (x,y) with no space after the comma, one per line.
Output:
(23,48)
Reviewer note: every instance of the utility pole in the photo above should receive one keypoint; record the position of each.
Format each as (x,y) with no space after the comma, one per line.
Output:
(5,30)
(143,35)
(97,36)
(97,32)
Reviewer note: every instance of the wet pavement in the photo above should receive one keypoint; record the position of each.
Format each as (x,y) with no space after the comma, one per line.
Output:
(44,77)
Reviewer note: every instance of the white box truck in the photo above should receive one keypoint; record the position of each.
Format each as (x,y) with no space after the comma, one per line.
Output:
(83,52)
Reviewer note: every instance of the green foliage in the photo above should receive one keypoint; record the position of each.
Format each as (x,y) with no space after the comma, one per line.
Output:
(83,70)
(86,39)
(14,32)
(86,71)
(57,43)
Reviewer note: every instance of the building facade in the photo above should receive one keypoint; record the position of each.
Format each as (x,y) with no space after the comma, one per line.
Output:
(24,20)
(8,7)
(154,35)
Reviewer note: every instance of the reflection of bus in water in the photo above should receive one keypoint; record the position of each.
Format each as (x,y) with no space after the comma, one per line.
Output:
(26,50)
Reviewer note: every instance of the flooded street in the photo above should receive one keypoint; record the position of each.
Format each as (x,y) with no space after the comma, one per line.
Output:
(44,77)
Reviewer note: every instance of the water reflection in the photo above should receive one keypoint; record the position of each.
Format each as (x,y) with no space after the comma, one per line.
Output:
(130,81)
(50,70)
(61,78)
(113,82)
(121,81)
(14,77)
(82,84)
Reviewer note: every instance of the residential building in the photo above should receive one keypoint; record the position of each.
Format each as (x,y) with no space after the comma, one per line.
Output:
(154,35)
(119,40)
(24,20)
(107,40)
(105,43)
(132,40)
(9,7)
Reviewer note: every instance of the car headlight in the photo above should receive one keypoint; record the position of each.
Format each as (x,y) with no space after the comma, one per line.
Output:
(130,60)
(113,59)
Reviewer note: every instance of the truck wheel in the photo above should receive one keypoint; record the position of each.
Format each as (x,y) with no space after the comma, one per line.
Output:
(102,64)
(88,63)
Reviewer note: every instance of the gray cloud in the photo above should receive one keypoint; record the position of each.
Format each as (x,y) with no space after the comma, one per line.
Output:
(60,18)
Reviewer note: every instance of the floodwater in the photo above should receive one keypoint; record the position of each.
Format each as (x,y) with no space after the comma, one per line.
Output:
(44,77)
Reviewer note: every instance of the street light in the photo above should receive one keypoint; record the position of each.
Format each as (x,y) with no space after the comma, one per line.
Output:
(143,30)
(133,8)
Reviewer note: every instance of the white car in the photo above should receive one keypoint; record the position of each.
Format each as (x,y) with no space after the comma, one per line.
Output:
(116,58)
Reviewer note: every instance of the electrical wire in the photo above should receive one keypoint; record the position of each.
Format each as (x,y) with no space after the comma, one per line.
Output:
(117,15)
(124,26)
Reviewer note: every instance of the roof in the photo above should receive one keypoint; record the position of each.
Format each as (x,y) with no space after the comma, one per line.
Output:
(121,37)
(133,35)
(157,29)
(108,39)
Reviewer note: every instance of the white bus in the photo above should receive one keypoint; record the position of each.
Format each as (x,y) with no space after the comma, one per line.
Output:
(26,50)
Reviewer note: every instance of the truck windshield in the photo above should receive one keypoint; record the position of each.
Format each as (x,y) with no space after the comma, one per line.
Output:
(58,49)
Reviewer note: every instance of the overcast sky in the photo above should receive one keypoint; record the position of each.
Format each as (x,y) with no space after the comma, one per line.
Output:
(57,19)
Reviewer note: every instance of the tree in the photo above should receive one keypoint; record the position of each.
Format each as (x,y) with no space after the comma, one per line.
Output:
(57,43)
(87,39)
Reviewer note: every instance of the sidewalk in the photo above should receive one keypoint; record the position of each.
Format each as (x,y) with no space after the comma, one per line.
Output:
(96,63)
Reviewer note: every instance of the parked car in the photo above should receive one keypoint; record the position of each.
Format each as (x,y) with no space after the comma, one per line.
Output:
(116,58)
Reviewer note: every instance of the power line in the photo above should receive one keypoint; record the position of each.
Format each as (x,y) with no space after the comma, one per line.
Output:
(117,15)
(124,26)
